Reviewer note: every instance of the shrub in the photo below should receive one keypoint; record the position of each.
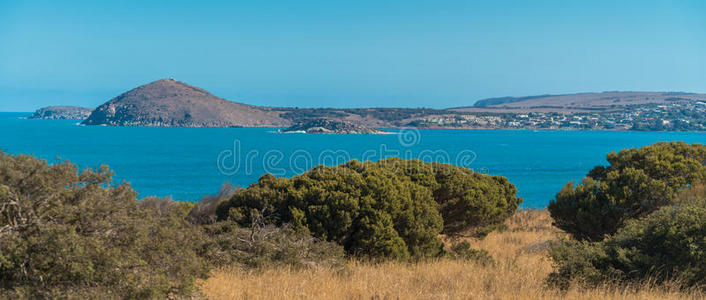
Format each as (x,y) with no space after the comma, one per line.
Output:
(360,206)
(65,234)
(374,210)
(259,246)
(470,203)
(462,250)
(268,246)
(636,183)
(667,245)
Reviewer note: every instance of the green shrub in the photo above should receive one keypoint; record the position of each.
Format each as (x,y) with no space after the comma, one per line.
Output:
(463,250)
(667,245)
(636,183)
(373,210)
(360,206)
(470,203)
(70,235)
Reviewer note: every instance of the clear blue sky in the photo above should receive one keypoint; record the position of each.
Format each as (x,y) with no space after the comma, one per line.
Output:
(347,53)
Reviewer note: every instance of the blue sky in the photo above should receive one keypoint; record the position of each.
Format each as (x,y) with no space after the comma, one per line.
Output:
(347,53)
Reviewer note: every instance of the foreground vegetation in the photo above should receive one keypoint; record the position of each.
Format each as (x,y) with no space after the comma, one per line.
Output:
(520,272)
(633,229)
(70,234)
(65,234)
(640,219)
(667,245)
(388,229)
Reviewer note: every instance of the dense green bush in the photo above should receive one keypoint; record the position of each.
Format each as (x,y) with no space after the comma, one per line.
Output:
(70,235)
(375,210)
(360,206)
(667,245)
(636,183)
(470,203)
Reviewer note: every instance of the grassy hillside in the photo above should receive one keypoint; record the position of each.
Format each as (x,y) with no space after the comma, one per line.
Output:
(580,102)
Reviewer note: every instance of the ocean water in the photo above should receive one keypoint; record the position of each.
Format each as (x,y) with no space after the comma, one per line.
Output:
(187,163)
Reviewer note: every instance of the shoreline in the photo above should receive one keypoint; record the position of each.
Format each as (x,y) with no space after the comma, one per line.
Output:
(379,128)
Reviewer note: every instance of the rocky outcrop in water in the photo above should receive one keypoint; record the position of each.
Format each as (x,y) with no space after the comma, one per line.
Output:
(62,112)
(331,127)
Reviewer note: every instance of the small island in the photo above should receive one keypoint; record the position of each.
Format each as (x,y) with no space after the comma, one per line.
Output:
(62,113)
(172,103)
(331,126)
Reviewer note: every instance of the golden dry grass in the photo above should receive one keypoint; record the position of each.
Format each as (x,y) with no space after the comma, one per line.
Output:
(523,265)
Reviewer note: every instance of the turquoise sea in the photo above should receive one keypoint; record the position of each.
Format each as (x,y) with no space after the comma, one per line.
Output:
(187,163)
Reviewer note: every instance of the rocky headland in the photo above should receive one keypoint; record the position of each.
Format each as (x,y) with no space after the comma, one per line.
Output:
(62,113)
(328,126)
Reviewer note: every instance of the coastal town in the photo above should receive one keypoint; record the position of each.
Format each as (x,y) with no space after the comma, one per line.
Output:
(672,116)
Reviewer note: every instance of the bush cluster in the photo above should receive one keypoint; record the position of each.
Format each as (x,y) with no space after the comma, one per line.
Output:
(65,234)
(636,183)
(640,220)
(392,209)
(667,245)
(70,235)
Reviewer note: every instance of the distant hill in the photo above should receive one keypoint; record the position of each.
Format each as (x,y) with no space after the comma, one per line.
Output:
(604,101)
(504,100)
(62,112)
(168,102)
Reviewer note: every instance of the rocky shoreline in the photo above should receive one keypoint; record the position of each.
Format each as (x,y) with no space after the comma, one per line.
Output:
(328,126)
(62,113)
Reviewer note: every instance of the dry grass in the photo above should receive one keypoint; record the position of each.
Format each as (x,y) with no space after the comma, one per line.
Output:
(521,253)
